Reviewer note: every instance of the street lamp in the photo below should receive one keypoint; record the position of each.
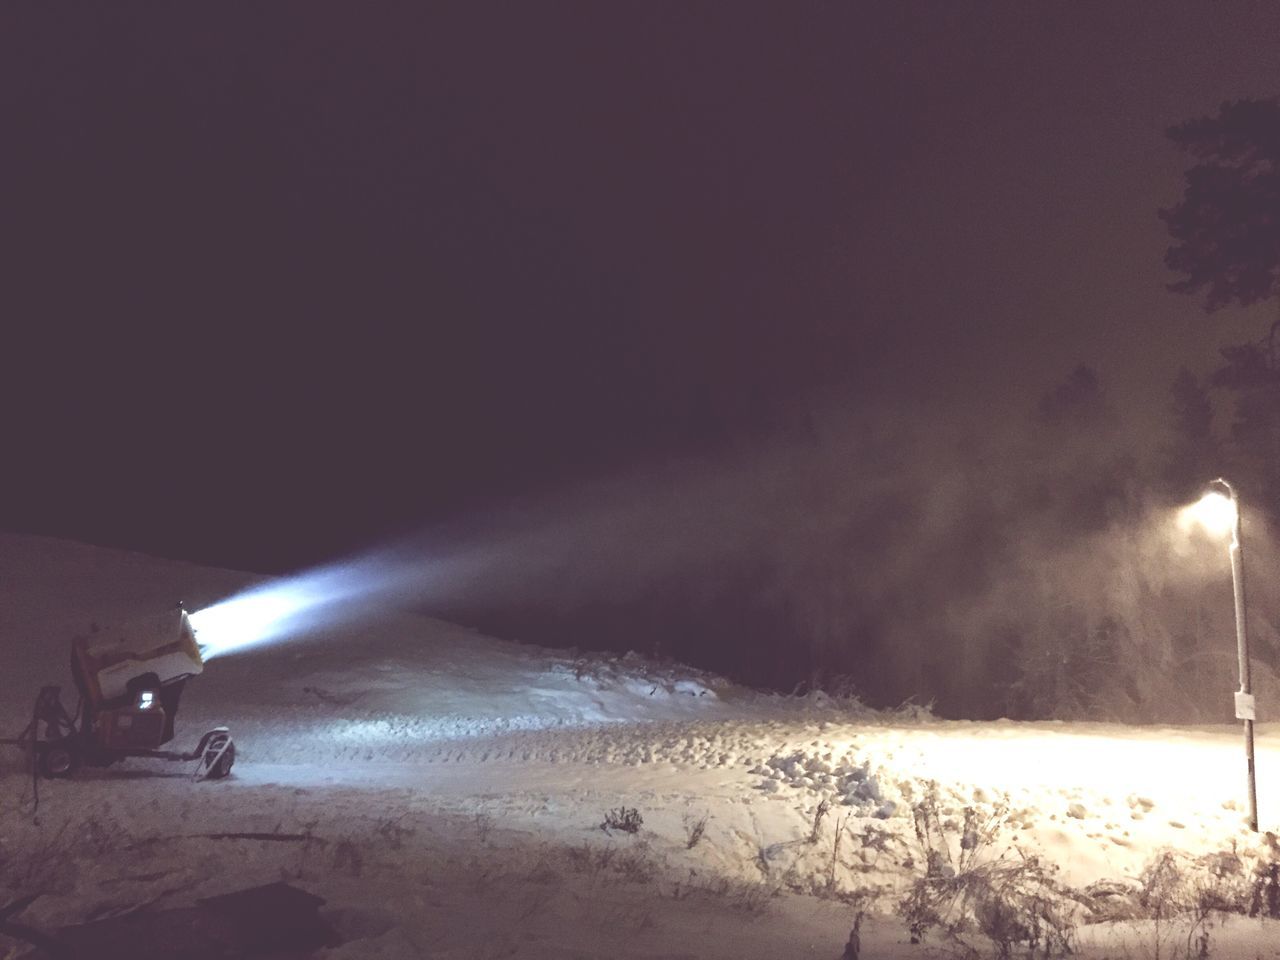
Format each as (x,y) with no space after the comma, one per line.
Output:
(1219,511)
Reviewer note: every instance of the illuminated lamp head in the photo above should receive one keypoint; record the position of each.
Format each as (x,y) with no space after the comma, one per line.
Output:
(1216,512)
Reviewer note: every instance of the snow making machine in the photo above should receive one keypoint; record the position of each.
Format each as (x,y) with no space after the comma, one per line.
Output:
(130,679)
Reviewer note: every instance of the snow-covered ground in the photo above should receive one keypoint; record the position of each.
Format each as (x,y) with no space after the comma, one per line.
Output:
(444,792)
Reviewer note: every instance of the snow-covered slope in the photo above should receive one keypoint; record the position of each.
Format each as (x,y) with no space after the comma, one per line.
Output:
(446,790)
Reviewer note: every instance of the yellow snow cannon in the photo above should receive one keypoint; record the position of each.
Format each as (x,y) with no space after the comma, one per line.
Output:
(130,678)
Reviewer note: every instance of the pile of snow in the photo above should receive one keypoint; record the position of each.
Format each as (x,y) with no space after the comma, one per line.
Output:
(848,781)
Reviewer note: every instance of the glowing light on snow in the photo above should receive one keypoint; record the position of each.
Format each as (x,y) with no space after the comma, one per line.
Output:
(1215,512)
(1179,768)
(307,602)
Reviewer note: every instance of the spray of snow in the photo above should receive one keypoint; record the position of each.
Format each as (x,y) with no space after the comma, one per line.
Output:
(310,601)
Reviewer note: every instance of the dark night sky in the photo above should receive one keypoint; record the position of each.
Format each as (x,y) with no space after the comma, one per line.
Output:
(278,279)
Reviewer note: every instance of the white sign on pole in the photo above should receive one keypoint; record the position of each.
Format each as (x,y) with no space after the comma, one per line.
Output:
(1246,706)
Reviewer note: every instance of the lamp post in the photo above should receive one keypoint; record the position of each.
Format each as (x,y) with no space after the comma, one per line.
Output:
(1220,510)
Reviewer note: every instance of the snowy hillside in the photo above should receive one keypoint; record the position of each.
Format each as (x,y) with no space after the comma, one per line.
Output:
(444,792)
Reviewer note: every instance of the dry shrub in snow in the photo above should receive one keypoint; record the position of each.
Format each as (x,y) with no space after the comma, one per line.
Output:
(393,831)
(824,806)
(752,898)
(1006,896)
(483,824)
(747,896)
(347,857)
(46,863)
(626,819)
(1242,881)
(634,864)
(694,828)
(1181,894)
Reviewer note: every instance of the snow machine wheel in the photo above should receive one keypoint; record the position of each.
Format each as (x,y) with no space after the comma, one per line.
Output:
(219,755)
(58,759)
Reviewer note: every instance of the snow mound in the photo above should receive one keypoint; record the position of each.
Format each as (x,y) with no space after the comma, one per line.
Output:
(842,779)
(640,677)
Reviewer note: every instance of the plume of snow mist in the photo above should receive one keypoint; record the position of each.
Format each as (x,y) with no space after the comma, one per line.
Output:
(301,604)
